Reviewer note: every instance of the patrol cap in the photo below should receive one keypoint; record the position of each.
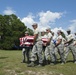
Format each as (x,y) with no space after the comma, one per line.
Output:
(34,24)
(43,31)
(68,30)
(59,31)
(48,29)
(26,32)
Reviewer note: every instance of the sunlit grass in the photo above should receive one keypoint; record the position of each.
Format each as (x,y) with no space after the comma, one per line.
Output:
(10,64)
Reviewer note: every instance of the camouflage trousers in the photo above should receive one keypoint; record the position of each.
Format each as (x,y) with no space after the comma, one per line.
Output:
(71,48)
(37,49)
(50,51)
(26,53)
(60,49)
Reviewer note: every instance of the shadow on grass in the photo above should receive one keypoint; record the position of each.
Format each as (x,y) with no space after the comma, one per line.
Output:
(3,57)
(70,61)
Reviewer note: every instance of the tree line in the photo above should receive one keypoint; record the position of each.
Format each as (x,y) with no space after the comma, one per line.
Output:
(11,29)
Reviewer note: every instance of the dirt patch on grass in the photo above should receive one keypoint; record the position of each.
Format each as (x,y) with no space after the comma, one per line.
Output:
(30,72)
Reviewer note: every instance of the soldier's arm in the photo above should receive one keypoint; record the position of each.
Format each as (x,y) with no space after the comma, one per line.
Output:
(49,39)
(35,36)
(58,42)
(75,43)
(68,41)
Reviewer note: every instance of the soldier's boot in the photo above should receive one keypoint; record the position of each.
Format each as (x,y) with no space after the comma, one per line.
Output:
(47,62)
(28,61)
(23,61)
(53,63)
(75,61)
(41,64)
(63,62)
(32,64)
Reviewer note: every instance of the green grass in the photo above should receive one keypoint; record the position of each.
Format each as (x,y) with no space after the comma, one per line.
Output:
(10,64)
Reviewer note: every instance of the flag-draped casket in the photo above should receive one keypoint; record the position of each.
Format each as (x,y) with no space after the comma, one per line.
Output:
(28,40)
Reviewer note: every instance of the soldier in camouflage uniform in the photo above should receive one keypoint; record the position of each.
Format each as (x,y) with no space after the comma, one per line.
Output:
(50,48)
(60,46)
(70,45)
(37,48)
(26,51)
(75,40)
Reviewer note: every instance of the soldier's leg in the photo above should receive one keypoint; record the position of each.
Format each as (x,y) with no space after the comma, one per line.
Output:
(44,60)
(46,55)
(73,49)
(28,54)
(47,52)
(33,55)
(52,53)
(66,52)
(61,50)
(23,52)
(39,49)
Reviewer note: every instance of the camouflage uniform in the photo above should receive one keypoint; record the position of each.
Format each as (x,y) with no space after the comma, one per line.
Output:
(75,40)
(37,48)
(60,49)
(26,50)
(50,50)
(26,54)
(71,47)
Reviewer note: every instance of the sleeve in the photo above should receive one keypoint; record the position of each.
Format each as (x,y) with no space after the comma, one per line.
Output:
(60,37)
(70,37)
(49,35)
(73,37)
(36,31)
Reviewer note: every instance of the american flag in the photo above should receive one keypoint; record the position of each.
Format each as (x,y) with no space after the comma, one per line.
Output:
(28,40)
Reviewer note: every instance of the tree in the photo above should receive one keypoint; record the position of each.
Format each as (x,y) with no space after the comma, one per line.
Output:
(11,29)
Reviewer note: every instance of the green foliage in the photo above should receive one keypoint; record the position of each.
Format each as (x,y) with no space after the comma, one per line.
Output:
(30,31)
(11,29)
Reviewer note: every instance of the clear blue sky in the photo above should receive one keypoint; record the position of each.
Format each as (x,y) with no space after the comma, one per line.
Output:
(23,7)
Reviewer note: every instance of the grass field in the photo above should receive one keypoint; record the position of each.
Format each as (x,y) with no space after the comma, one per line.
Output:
(10,64)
